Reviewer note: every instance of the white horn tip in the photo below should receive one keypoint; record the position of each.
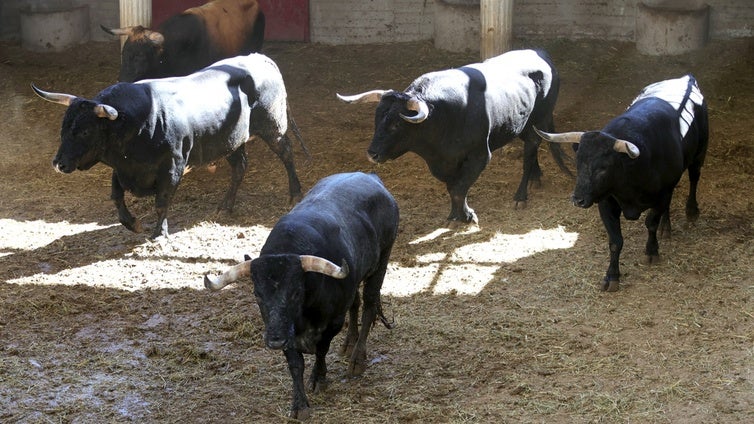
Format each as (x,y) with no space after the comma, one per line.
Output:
(211,283)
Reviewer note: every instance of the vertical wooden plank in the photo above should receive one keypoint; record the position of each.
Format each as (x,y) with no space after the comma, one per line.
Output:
(135,12)
(496,17)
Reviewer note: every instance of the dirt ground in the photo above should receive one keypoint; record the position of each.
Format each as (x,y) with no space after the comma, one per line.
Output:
(500,323)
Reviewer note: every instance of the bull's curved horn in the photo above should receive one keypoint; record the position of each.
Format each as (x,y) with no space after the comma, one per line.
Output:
(106,111)
(311,263)
(231,275)
(418,106)
(623,146)
(569,137)
(365,97)
(118,31)
(155,37)
(63,99)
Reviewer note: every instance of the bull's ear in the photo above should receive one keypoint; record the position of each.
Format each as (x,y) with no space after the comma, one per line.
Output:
(623,146)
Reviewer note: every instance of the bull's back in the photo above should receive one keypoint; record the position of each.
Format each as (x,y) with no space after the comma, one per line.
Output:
(341,214)
(207,109)
(233,26)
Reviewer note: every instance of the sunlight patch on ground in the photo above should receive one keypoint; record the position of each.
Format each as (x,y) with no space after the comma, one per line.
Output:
(30,235)
(126,274)
(182,260)
(469,268)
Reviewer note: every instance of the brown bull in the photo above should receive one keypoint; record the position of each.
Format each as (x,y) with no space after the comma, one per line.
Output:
(191,40)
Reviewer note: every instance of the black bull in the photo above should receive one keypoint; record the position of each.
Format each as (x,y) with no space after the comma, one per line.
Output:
(454,119)
(635,162)
(152,132)
(303,296)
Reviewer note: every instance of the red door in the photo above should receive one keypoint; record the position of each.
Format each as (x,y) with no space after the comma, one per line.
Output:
(285,20)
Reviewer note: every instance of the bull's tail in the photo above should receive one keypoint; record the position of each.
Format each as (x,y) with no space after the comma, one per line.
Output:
(561,158)
(294,128)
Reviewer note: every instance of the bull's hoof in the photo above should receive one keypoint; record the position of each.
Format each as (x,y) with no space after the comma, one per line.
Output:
(519,204)
(356,368)
(317,384)
(610,286)
(347,349)
(652,259)
(293,199)
(133,225)
(469,218)
(301,414)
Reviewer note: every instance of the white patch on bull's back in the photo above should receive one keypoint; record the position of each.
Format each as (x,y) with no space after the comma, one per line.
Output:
(523,62)
(674,92)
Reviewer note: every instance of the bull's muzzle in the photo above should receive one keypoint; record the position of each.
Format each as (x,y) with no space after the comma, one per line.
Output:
(581,201)
(62,166)
(278,340)
(373,157)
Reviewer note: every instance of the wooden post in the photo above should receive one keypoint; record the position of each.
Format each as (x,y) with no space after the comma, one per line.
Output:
(496,17)
(135,12)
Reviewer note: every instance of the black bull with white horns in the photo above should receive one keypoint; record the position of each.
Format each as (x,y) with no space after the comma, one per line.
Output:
(153,131)
(455,118)
(303,294)
(635,162)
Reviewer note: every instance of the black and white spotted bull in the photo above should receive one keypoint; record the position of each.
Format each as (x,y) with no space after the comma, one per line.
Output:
(191,40)
(152,131)
(635,162)
(455,118)
(303,294)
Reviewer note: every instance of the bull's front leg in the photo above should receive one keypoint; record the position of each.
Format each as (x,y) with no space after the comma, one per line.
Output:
(459,183)
(283,149)
(657,218)
(300,405)
(166,188)
(371,295)
(610,214)
(318,377)
(124,215)
(238,161)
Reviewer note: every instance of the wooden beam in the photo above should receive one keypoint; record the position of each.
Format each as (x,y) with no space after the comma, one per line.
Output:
(496,18)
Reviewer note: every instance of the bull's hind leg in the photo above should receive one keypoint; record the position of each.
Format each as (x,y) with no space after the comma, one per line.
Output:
(692,207)
(352,334)
(238,161)
(283,149)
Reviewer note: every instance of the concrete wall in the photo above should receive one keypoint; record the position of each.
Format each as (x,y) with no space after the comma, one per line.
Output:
(378,21)
(100,12)
(370,21)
